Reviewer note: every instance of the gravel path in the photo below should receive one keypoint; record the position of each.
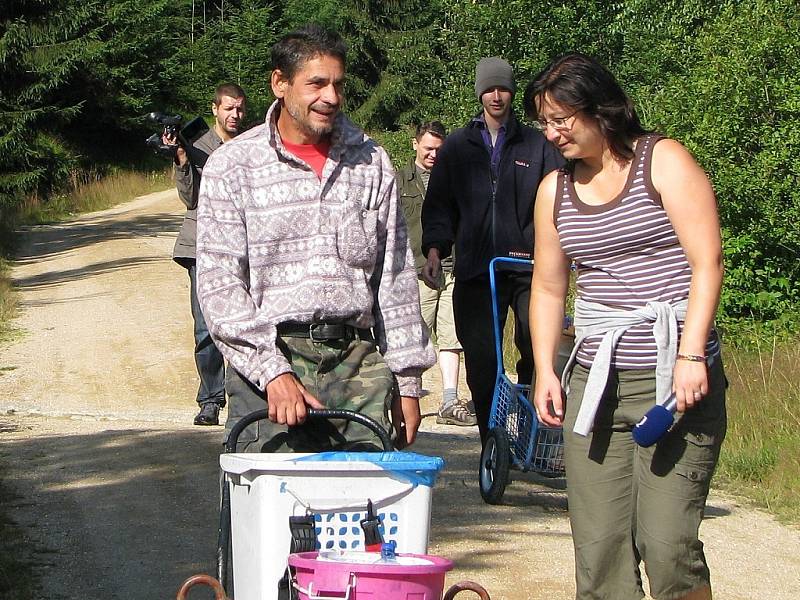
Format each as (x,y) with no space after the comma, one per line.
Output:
(119,492)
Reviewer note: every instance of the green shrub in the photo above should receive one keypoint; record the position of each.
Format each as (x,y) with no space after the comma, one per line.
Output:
(397,144)
(729,90)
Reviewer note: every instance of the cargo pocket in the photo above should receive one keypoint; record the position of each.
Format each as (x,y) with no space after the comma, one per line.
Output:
(357,237)
(697,463)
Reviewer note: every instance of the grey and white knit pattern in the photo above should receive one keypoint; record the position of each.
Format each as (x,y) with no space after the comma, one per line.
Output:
(275,243)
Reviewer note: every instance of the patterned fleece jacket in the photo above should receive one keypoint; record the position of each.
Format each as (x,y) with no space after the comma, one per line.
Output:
(276,244)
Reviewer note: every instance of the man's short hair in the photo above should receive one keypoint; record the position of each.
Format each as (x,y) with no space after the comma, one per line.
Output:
(228,89)
(294,49)
(435,128)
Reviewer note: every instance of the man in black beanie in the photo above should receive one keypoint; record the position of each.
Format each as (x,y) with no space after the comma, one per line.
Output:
(480,198)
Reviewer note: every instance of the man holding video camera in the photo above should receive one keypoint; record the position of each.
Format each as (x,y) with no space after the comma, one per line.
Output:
(228,107)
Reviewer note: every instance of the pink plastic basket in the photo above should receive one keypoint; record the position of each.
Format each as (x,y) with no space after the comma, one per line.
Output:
(318,579)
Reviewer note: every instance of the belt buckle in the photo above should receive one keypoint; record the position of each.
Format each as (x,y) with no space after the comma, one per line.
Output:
(311,328)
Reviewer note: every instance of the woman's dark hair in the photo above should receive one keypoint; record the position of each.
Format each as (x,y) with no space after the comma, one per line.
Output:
(294,49)
(579,82)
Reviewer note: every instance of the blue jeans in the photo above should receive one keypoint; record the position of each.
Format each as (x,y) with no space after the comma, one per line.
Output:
(209,361)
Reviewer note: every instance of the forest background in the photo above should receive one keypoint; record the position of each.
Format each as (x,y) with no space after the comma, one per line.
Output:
(78,77)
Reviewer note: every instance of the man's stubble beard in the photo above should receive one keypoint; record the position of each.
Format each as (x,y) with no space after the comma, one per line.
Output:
(304,124)
(231,132)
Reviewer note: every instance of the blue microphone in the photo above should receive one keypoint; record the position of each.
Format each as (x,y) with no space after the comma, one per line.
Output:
(655,424)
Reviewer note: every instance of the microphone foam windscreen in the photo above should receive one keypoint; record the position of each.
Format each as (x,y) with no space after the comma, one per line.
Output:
(653,426)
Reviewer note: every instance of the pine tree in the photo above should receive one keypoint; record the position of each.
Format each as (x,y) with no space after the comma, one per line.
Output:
(36,57)
(75,78)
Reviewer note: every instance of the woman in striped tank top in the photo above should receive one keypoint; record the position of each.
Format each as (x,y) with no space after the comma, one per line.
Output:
(638,217)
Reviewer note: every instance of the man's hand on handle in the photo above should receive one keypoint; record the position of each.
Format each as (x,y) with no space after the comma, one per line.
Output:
(288,401)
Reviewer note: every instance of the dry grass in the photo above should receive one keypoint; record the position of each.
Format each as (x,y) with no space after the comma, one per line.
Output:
(96,194)
(761,455)
(8,303)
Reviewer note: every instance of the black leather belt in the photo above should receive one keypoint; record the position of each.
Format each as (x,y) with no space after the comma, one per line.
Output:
(323,332)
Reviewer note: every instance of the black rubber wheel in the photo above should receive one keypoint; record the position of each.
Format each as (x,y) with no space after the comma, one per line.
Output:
(493,472)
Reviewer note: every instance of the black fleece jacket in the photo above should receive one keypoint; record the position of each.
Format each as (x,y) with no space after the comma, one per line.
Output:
(483,216)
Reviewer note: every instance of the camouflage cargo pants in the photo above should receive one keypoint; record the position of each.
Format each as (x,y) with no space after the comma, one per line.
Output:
(348,375)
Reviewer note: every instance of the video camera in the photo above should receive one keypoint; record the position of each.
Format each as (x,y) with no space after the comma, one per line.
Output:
(186,135)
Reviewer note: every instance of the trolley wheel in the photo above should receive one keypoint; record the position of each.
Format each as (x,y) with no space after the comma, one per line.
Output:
(493,472)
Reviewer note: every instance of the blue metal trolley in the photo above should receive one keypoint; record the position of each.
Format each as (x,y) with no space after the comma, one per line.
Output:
(515,435)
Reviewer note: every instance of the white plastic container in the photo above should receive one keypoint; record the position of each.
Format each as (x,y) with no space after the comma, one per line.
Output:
(266,489)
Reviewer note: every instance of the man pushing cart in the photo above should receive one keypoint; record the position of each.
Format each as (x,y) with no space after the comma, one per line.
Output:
(305,274)
(307,282)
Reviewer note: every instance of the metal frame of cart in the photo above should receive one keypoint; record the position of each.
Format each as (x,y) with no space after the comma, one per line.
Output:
(515,437)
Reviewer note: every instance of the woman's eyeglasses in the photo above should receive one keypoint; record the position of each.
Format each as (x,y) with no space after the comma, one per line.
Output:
(559,124)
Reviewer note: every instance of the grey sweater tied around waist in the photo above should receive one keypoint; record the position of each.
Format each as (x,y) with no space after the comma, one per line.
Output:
(592,318)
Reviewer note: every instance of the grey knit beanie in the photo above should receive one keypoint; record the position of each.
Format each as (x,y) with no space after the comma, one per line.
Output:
(493,72)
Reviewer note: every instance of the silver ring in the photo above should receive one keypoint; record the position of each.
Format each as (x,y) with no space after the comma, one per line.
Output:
(697,395)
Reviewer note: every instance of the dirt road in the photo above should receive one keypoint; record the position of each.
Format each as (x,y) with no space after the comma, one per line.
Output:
(119,492)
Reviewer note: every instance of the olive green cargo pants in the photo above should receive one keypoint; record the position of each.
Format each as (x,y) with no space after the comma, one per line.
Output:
(629,504)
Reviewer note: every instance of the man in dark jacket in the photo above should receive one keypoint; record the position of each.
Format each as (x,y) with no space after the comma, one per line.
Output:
(228,107)
(480,198)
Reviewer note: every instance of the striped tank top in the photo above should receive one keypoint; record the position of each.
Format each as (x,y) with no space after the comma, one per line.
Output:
(626,253)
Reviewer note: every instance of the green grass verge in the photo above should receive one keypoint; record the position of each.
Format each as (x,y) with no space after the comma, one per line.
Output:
(761,455)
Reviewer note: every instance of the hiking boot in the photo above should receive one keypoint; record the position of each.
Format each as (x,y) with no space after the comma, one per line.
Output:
(456,414)
(208,415)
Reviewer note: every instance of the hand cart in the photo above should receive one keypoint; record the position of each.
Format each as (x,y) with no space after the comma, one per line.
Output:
(220,585)
(515,435)
(223,542)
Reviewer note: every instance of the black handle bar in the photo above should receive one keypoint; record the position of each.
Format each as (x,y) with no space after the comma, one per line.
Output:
(313,413)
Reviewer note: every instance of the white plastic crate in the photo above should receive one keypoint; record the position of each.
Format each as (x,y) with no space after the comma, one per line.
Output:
(266,489)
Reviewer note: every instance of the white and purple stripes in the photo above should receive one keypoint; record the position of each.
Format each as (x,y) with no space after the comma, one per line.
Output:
(627,254)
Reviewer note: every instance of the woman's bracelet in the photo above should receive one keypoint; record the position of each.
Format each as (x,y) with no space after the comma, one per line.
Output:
(692,357)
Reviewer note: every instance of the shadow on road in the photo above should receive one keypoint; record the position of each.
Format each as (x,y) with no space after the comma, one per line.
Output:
(44,241)
(52,278)
(132,513)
